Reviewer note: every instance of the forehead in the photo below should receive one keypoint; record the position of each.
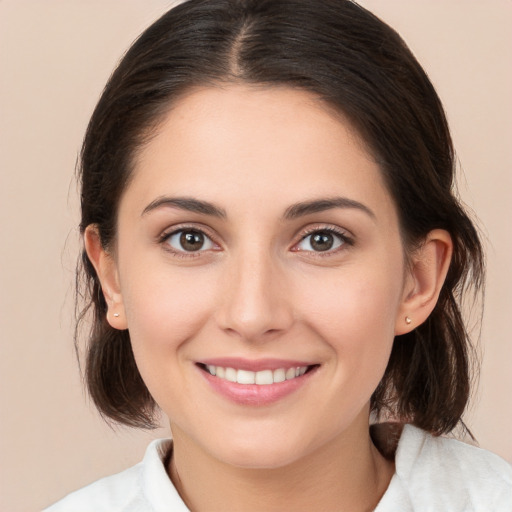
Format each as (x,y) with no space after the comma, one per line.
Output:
(272,145)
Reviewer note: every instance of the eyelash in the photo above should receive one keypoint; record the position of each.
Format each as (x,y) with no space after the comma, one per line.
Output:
(166,235)
(346,241)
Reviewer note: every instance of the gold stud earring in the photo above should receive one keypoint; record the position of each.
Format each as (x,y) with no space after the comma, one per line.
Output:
(407,320)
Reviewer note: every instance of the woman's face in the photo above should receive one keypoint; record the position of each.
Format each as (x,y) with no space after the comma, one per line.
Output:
(257,241)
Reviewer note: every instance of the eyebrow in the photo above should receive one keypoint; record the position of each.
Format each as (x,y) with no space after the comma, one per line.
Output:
(292,212)
(186,203)
(321,205)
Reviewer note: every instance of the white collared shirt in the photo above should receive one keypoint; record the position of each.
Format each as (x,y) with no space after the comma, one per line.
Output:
(433,474)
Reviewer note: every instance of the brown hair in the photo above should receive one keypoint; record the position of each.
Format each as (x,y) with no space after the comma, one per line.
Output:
(360,66)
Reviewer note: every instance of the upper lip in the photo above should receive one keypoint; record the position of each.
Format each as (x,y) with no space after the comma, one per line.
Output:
(254,365)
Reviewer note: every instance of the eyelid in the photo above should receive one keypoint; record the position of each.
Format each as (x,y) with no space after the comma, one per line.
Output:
(191,226)
(343,234)
(200,228)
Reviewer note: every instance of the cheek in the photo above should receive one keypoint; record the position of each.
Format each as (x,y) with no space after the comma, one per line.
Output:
(165,308)
(355,302)
(355,315)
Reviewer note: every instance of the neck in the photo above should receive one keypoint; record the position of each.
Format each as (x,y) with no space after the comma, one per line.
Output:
(348,473)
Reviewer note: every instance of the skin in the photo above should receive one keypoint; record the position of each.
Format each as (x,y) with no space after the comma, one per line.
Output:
(259,290)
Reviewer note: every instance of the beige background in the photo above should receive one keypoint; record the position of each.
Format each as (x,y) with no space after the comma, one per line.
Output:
(55,57)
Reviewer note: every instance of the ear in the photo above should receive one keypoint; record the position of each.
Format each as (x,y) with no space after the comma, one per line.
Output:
(428,268)
(106,268)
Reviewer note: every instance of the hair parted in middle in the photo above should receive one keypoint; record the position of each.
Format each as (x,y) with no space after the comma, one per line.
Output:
(359,67)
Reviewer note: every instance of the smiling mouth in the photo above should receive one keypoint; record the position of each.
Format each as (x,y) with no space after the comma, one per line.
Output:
(261,378)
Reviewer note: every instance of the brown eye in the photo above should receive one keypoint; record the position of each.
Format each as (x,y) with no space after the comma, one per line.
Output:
(189,240)
(321,241)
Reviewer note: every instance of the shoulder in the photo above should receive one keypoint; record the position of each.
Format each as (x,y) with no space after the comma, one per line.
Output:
(142,487)
(439,473)
(113,493)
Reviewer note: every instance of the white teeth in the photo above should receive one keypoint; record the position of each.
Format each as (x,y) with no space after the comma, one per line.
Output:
(262,378)
(279,375)
(245,377)
(231,374)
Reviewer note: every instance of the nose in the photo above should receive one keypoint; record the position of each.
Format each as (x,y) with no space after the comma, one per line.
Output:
(254,304)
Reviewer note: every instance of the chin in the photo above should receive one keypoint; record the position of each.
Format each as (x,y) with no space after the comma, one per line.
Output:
(261,451)
(258,457)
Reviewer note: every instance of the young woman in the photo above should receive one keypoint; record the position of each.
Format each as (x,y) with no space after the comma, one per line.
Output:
(273,255)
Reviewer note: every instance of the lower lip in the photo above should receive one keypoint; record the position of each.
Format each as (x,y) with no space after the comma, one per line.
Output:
(255,394)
